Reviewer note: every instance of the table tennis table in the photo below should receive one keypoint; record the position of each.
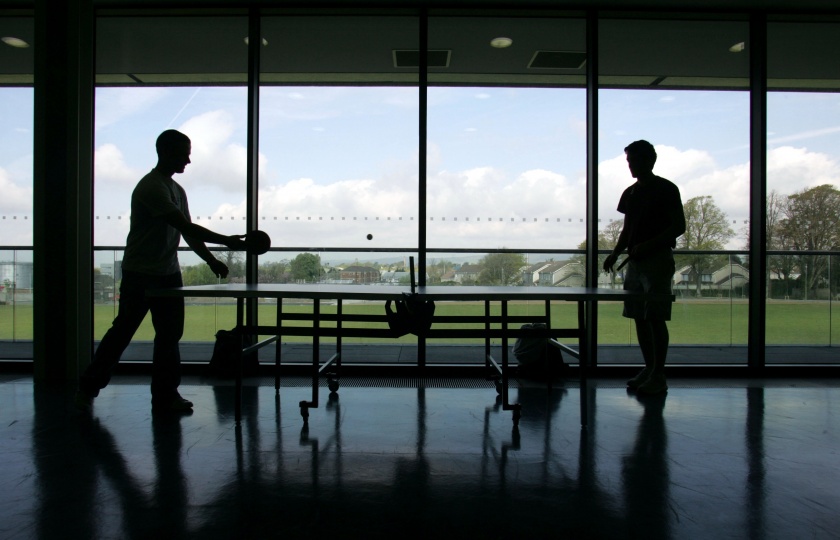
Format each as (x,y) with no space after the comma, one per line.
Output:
(495,323)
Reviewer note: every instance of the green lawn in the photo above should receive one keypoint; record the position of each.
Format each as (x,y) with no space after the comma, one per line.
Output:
(694,322)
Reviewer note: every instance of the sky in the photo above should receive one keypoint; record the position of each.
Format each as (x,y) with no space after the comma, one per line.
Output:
(506,166)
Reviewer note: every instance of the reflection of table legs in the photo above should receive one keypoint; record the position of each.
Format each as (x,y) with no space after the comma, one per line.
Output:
(334,362)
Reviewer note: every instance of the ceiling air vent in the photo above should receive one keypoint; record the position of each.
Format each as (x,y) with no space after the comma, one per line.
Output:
(557,60)
(411,59)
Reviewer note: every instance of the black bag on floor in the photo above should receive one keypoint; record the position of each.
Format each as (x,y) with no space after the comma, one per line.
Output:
(536,356)
(227,354)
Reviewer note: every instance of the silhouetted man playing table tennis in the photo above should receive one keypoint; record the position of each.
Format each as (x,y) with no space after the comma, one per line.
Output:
(653,220)
(159,217)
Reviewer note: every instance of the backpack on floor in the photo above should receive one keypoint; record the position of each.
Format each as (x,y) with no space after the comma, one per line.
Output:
(227,354)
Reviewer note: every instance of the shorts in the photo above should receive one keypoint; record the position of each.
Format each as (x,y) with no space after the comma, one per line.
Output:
(654,274)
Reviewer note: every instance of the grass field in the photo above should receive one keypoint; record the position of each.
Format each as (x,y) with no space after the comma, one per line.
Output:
(704,322)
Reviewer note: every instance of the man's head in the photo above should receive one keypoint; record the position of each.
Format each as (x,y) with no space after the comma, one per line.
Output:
(641,158)
(173,150)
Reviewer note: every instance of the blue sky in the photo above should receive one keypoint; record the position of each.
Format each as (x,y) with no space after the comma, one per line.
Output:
(506,165)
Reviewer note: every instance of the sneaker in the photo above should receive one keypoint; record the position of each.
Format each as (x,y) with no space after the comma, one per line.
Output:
(176,405)
(639,379)
(83,401)
(654,385)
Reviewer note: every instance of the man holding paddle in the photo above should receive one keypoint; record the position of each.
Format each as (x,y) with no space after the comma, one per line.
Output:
(159,217)
(653,220)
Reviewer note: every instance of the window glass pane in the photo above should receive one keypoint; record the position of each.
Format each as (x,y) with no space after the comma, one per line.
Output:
(16,139)
(507,134)
(16,203)
(338,133)
(154,74)
(678,101)
(803,186)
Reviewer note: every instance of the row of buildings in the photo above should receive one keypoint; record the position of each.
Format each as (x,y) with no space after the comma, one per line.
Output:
(722,281)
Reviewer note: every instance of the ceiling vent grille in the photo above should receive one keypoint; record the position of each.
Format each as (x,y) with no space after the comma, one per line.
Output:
(557,60)
(411,59)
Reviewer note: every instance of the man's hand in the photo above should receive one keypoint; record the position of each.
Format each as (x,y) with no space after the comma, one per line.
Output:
(237,242)
(610,261)
(219,268)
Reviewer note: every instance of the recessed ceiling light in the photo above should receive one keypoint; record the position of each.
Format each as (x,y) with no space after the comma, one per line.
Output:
(14,42)
(738,47)
(264,41)
(501,42)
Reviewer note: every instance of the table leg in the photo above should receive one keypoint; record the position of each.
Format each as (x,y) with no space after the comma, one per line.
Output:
(584,363)
(240,325)
(278,347)
(506,405)
(316,355)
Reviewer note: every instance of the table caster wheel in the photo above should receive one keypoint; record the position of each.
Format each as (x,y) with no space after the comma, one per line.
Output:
(332,384)
(498,384)
(304,411)
(517,414)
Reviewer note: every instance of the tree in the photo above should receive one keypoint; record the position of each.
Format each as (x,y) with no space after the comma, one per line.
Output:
(273,272)
(810,223)
(437,269)
(501,269)
(306,267)
(706,229)
(235,264)
(199,274)
(607,239)
(778,240)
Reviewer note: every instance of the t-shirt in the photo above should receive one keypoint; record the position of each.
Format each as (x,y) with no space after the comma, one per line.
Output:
(152,244)
(647,208)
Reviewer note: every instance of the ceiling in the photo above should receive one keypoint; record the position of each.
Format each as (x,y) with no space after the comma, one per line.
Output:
(677,51)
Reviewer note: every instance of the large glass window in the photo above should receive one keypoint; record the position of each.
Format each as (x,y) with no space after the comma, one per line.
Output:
(687,102)
(339,121)
(338,133)
(803,186)
(158,73)
(506,134)
(16,165)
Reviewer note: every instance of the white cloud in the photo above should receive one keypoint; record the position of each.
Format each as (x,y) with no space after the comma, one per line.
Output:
(482,206)
(790,169)
(109,166)
(15,199)
(216,162)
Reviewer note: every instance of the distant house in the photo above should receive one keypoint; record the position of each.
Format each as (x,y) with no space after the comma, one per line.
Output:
(531,274)
(359,274)
(562,274)
(726,278)
(468,273)
(394,278)
(448,276)
(731,276)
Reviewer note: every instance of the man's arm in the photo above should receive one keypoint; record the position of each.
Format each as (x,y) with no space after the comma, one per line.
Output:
(619,248)
(198,233)
(218,267)
(195,236)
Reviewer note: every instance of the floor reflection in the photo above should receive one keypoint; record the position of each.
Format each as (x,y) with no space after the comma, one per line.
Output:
(420,461)
(645,474)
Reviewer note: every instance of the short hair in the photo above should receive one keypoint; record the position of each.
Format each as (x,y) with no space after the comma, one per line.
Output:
(170,139)
(643,149)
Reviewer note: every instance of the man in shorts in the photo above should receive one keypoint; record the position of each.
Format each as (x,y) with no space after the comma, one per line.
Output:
(159,217)
(653,220)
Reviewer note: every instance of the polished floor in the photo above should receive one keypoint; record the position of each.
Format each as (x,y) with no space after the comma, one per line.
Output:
(431,458)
